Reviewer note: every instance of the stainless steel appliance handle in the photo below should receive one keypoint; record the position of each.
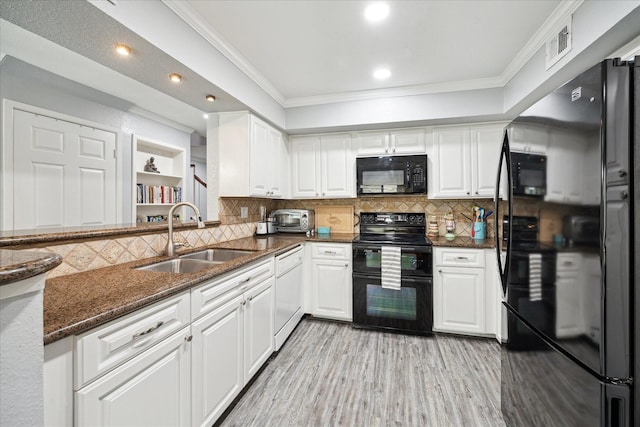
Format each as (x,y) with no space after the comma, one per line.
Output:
(505,155)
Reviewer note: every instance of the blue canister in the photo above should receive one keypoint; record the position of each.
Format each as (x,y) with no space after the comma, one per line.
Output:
(479,230)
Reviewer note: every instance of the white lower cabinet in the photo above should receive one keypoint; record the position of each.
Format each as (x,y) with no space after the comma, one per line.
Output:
(331,289)
(217,358)
(179,362)
(459,291)
(152,389)
(232,337)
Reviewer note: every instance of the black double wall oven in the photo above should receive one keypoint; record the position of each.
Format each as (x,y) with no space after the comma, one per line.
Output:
(409,308)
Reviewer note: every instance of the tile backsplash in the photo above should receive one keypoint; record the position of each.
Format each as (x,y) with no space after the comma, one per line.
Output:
(97,253)
(439,208)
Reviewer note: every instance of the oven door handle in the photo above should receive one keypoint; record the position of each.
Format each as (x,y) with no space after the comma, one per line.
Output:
(405,249)
(505,156)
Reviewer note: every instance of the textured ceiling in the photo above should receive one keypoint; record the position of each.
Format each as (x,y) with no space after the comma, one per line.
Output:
(84,29)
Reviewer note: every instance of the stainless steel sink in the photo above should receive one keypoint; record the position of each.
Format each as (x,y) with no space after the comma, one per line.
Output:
(216,255)
(179,266)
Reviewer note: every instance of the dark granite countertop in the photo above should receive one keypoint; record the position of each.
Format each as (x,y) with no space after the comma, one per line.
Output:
(20,265)
(78,302)
(38,236)
(463,242)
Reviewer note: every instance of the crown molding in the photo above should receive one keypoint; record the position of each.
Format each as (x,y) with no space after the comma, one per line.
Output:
(558,17)
(191,18)
(427,89)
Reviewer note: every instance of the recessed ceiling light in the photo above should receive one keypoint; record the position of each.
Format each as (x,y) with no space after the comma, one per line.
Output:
(123,49)
(382,73)
(376,12)
(210,98)
(175,77)
(205,115)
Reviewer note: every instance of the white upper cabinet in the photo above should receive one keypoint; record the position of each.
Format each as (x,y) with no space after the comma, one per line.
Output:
(529,138)
(401,141)
(464,161)
(322,166)
(253,157)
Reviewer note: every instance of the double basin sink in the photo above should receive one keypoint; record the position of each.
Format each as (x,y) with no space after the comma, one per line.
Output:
(197,261)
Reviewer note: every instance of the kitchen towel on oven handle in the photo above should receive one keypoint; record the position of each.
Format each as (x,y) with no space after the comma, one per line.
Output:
(391,267)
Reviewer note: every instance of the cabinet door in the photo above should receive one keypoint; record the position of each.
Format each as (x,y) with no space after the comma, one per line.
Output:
(372,143)
(331,289)
(337,166)
(305,167)
(569,317)
(258,343)
(218,340)
(486,142)
(452,175)
(410,141)
(276,169)
(152,389)
(260,154)
(459,300)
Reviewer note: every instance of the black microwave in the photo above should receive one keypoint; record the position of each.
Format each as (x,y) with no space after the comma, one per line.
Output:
(529,174)
(391,175)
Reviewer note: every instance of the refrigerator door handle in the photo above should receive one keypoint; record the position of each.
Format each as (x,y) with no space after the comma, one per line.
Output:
(505,156)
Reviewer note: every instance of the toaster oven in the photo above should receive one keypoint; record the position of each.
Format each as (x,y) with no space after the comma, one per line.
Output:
(293,220)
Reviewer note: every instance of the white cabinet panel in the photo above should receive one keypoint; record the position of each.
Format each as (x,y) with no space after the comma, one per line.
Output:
(460,295)
(322,166)
(252,157)
(337,171)
(305,166)
(258,344)
(465,161)
(218,342)
(105,347)
(465,291)
(452,163)
(331,288)
(398,141)
(152,389)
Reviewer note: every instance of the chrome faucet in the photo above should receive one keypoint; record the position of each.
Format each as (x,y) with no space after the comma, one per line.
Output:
(171,247)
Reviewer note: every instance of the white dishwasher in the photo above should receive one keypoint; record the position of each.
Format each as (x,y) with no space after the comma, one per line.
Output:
(288,294)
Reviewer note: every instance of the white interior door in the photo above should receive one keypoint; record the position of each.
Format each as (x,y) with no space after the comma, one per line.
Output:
(64,174)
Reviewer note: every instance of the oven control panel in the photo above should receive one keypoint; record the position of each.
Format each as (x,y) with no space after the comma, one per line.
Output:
(393,218)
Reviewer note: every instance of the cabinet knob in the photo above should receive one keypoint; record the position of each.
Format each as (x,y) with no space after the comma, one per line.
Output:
(622,173)
(386,150)
(468,193)
(439,271)
(476,192)
(394,150)
(624,195)
(316,194)
(189,338)
(323,194)
(251,298)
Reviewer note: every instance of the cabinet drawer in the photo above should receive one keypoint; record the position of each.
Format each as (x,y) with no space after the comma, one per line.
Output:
(105,347)
(331,251)
(459,257)
(205,297)
(568,262)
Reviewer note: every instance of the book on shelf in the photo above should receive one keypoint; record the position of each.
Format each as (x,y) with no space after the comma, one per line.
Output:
(158,194)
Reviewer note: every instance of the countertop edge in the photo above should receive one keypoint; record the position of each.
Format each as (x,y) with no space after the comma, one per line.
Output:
(31,237)
(41,263)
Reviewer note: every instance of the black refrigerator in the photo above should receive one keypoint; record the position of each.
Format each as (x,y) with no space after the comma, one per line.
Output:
(570,350)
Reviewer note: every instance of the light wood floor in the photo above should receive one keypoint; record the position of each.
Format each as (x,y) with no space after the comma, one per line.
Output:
(330,374)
